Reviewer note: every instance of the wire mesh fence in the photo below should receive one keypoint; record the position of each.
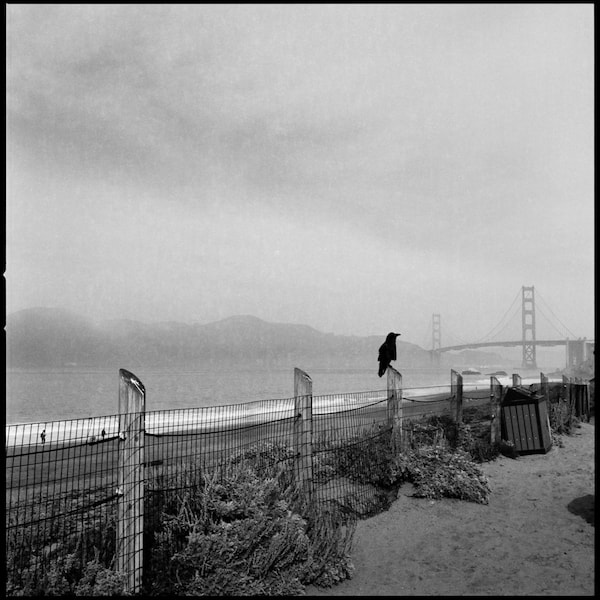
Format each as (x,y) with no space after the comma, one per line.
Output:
(63,486)
(60,496)
(71,486)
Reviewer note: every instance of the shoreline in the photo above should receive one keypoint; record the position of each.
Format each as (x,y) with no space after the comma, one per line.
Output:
(211,419)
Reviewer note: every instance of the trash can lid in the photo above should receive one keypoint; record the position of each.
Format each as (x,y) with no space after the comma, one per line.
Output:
(518,394)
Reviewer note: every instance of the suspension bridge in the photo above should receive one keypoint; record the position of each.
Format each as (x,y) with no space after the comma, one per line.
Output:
(577,350)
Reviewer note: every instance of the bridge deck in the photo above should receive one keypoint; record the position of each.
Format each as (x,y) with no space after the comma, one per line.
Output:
(512,343)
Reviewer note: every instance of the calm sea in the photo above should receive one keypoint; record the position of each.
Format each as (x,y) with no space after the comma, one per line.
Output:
(34,395)
(76,404)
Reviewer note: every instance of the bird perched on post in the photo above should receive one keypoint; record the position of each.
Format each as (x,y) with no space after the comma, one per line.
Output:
(387,352)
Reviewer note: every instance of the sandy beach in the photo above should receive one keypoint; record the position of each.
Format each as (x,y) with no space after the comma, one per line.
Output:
(535,537)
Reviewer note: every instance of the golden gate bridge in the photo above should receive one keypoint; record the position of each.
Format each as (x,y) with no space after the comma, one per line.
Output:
(577,350)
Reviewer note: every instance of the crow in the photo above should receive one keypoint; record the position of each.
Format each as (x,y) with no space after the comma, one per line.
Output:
(387,352)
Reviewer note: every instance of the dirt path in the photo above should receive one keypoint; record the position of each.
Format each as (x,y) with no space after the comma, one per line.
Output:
(535,537)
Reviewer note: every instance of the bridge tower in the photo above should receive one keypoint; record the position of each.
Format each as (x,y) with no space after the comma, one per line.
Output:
(436,339)
(528,327)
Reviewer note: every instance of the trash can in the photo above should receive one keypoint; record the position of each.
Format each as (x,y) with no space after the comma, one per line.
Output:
(525,421)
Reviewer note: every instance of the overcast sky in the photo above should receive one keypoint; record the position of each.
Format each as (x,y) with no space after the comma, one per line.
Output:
(355,168)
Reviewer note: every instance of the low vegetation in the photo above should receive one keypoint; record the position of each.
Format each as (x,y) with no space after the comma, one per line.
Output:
(239,531)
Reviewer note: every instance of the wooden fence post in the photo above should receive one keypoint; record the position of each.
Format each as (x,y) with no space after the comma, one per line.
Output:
(582,408)
(567,393)
(544,389)
(303,430)
(586,399)
(456,401)
(516,380)
(545,392)
(130,509)
(394,408)
(496,402)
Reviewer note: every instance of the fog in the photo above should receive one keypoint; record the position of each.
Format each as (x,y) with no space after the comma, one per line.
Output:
(355,168)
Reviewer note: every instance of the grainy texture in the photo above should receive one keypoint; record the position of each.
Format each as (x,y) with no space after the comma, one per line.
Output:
(535,537)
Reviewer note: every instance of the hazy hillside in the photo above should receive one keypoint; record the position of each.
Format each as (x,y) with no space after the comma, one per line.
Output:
(43,337)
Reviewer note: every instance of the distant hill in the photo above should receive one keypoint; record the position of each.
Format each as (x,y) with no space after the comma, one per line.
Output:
(49,337)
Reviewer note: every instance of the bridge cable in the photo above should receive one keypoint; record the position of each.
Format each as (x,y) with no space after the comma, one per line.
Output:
(550,309)
(502,324)
(454,337)
(488,334)
(561,333)
(508,323)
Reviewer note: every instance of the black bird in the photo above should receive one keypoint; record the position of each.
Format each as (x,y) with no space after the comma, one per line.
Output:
(387,352)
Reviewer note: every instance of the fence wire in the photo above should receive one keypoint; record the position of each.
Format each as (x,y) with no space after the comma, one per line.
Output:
(62,484)
(60,496)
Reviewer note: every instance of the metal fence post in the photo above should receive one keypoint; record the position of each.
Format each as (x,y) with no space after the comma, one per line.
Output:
(496,402)
(456,401)
(394,407)
(130,510)
(303,430)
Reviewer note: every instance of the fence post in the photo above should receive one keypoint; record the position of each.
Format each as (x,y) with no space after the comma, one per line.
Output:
(544,390)
(566,389)
(456,389)
(576,397)
(130,510)
(567,394)
(581,399)
(586,399)
(303,430)
(496,402)
(516,380)
(585,403)
(394,408)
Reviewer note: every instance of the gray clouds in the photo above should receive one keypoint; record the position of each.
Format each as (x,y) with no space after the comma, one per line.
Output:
(231,135)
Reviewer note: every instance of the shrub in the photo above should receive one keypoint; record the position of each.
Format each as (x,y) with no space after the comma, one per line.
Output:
(562,419)
(475,439)
(66,577)
(367,459)
(427,431)
(437,472)
(238,534)
(97,580)
(34,566)
(472,436)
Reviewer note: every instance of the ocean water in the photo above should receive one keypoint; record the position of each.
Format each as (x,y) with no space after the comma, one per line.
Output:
(74,403)
(34,395)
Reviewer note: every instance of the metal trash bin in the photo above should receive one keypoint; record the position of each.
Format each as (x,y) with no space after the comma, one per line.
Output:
(525,421)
